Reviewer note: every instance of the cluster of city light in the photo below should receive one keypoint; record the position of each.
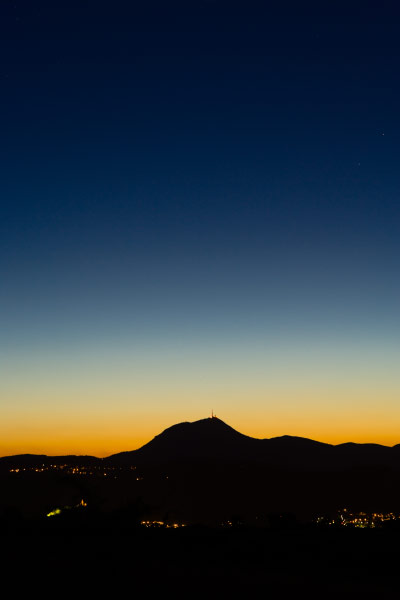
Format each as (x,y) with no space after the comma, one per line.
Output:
(347,518)
(40,469)
(161,524)
(58,511)
(93,470)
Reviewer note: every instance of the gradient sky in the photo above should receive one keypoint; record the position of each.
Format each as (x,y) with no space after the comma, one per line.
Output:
(199,209)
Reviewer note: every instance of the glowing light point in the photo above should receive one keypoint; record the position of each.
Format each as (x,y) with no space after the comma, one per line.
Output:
(56,511)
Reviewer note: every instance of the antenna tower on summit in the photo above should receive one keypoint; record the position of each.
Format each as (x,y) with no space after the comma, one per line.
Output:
(213,415)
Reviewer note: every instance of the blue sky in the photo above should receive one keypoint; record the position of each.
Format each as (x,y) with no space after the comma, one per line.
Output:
(199,205)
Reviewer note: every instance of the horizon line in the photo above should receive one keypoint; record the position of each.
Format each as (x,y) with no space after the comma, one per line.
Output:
(213,416)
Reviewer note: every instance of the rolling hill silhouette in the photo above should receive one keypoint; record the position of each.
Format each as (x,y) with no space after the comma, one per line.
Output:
(212,439)
(206,471)
(208,438)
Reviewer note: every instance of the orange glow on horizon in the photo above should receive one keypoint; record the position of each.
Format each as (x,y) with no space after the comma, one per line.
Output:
(99,402)
(59,439)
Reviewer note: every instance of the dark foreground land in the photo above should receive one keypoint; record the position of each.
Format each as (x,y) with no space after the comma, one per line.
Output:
(202,510)
(90,557)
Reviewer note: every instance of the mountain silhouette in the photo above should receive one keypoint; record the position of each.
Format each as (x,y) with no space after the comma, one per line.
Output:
(208,472)
(212,439)
(208,438)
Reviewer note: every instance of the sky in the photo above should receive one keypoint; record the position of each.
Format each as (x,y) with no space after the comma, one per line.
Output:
(199,209)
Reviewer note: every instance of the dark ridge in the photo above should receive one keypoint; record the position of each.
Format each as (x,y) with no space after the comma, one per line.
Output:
(207,472)
(213,440)
(208,438)
(294,441)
